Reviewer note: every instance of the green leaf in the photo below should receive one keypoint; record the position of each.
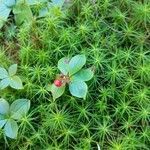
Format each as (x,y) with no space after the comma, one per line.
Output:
(16,82)
(58,3)
(11,129)
(4,13)
(57,91)
(10,3)
(76,63)
(19,108)
(63,65)
(3,73)
(12,70)
(43,12)
(78,89)
(35,2)
(4,83)
(4,106)
(2,120)
(83,75)
(23,13)
(48,87)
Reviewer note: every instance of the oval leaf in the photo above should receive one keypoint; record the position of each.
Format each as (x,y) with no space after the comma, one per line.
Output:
(16,82)
(48,87)
(4,13)
(78,89)
(63,65)
(58,3)
(3,73)
(76,63)
(4,106)
(2,121)
(4,83)
(57,91)
(11,129)
(10,3)
(19,108)
(12,70)
(23,13)
(83,75)
(43,12)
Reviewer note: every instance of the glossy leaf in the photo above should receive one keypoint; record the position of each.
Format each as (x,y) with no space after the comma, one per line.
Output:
(78,89)
(76,63)
(4,106)
(83,75)
(3,73)
(43,12)
(63,65)
(58,3)
(12,70)
(23,13)
(11,129)
(16,82)
(4,83)
(4,13)
(19,108)
(10,3)
(2,121)
(57,91)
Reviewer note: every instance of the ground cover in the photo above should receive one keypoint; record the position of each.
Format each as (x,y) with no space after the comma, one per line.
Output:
(115,38)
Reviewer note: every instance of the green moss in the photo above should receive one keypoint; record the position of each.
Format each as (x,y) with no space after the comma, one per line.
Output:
(114,36)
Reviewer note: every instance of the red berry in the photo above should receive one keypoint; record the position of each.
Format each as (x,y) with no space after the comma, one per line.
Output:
(58,83)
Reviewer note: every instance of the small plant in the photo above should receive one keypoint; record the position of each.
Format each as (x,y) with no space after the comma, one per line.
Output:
(10,114)
(72,74)
(9,78)
(22,11)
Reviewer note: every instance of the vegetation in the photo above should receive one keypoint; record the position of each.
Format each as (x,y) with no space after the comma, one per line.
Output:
(114,36)
(73,75)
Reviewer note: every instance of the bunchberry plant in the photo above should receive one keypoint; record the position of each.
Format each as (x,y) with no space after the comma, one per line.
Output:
(72,74)
(9,78)
(10,114)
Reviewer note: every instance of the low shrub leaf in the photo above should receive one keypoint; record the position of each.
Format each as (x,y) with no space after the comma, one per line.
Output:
(83,75)
(4,106)
(19,108)
(12,70)
(78,89)
(63,65)
(16,82)
(76,63)
(11,129)
(57,91)
(3,73)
